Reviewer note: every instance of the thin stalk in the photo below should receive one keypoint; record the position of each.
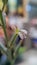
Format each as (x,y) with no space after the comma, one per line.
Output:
(16,53)
(6,51)
(18,46)
(12,40)
(3,48)
(4,26)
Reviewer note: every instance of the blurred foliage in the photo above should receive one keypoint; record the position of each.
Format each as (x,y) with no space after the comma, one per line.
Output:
(1,4)
(5,1)
(22,50)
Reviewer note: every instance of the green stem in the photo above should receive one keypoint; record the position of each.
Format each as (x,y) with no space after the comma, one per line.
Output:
(18,46)
(16,53)
(12,40)
(4,27)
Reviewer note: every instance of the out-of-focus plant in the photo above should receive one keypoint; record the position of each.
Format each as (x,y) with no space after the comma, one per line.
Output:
(10,43)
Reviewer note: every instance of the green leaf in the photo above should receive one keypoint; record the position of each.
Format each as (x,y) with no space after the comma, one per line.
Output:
(5,1)
(1,4)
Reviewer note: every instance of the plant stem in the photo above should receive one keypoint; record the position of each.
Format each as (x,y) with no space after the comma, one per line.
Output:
(4,27)
(12,40)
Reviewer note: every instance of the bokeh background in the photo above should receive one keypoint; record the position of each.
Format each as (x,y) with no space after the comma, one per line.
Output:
(25,13)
